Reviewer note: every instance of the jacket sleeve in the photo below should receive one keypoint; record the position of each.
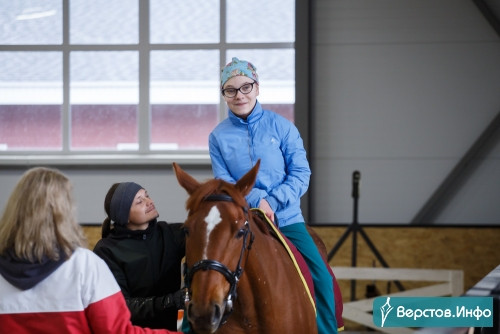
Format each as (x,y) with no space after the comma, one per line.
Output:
(141,308)
(296,181)
(106,311)
(111,315)
(219,167)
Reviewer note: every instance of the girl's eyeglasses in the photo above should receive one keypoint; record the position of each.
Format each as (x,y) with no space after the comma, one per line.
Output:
(245,89)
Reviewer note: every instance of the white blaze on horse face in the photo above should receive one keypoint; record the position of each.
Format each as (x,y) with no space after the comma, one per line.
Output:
(212,220)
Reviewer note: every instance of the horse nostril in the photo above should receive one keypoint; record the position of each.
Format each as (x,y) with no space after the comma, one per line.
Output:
(217,314)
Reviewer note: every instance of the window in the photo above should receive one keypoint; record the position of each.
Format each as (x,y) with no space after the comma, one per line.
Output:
(108,79)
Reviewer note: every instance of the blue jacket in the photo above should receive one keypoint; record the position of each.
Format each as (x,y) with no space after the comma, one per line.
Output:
(236,145)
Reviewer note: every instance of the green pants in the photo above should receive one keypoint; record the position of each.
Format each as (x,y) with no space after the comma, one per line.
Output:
(323,281)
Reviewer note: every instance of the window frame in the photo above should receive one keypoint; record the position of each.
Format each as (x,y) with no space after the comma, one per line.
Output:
(144,155)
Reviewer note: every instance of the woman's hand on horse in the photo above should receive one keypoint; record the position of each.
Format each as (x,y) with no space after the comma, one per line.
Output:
(264,206)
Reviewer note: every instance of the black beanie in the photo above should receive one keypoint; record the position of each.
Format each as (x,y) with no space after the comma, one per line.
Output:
(122,201)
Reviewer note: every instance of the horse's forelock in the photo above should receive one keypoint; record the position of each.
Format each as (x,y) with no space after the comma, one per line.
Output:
(214,186)
(234,193)
(197,197)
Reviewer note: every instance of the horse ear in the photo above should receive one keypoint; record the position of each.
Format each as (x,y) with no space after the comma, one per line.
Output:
(245,184)
(185,180)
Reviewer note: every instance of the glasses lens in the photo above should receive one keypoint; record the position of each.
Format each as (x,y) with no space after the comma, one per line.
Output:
(229,92)
(245,89)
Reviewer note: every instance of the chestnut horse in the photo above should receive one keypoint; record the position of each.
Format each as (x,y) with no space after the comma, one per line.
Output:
(239,277)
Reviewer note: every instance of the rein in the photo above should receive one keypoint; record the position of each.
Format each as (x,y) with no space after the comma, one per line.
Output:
(232,277)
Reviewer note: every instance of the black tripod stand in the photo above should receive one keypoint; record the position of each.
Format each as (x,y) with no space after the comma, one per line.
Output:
(354,228)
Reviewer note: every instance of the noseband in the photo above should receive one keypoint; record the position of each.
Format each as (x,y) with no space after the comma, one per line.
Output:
(232,277)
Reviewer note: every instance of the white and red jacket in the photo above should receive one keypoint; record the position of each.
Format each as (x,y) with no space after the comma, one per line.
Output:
(80,296)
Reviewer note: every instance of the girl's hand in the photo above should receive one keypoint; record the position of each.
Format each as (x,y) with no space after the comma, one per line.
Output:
(264,206)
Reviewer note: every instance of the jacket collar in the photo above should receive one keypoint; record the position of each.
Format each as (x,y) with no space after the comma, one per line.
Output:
(254,116)
(122,232)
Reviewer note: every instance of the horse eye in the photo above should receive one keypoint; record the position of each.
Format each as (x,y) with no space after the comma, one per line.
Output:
(241,233)
(186,232)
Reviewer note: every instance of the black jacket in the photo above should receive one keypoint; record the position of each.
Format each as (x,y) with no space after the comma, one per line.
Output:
(147,266)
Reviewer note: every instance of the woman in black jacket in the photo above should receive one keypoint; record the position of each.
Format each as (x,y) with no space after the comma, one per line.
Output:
(144,255)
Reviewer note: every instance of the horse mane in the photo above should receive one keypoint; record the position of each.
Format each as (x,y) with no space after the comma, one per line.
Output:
(260,222)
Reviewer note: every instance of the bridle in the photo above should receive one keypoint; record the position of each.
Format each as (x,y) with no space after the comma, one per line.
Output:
(232,277)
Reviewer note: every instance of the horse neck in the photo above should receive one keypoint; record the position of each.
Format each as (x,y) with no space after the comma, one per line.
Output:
(266,259)
(266,275)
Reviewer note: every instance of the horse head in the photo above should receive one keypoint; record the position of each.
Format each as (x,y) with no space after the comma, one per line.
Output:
(218,239)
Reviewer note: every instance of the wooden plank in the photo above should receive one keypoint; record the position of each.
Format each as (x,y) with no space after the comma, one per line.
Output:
(450,283)
(390,274)
(366,319)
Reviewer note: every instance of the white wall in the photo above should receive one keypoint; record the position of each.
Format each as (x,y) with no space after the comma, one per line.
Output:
(401,90)
(91,186)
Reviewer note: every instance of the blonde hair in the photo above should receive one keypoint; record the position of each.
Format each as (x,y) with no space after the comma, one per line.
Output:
(39,217)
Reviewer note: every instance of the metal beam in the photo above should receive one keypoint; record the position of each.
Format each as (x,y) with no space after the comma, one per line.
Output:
(491,11)
(459,174)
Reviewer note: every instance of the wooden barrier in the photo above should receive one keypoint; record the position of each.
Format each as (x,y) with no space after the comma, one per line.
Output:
(447,283)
